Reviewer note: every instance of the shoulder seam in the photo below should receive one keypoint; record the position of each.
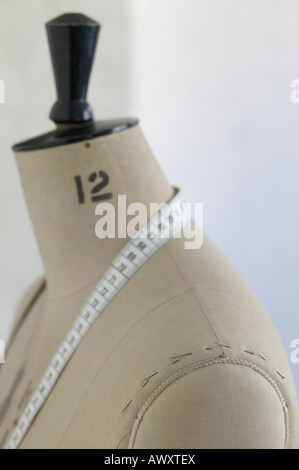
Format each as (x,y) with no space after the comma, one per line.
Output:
(40,285)
(199,365)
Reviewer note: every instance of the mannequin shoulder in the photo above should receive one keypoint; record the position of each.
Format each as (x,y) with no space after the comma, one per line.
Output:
(217,403)
(237,391)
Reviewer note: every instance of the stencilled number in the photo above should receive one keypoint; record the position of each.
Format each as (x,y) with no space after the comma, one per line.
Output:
(100,180)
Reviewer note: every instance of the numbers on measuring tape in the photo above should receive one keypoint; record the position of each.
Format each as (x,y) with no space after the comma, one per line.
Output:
(134,255)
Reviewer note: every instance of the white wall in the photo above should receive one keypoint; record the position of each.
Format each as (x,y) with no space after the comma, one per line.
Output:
(210,81)
(214,101)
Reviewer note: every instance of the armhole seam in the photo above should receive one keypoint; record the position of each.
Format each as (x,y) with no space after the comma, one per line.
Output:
(199,365)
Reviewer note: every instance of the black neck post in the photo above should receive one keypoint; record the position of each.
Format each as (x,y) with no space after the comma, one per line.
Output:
(72,40)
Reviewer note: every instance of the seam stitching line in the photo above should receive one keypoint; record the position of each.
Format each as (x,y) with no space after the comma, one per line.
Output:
(26,311)
(193,290)
(198,365)
(107,359)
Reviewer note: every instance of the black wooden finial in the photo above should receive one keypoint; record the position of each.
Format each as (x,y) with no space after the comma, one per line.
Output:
(72,40)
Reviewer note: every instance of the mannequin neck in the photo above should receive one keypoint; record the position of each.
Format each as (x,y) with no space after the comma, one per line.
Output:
(61,187)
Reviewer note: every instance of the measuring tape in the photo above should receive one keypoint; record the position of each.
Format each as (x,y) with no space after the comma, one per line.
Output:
(136,252)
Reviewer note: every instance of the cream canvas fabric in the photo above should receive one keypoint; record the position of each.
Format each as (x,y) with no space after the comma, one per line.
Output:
(185,356)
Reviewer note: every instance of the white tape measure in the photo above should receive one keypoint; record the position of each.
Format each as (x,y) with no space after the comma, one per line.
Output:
(135,253)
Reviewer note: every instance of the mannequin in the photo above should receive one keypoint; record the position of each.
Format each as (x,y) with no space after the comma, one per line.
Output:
(184,356)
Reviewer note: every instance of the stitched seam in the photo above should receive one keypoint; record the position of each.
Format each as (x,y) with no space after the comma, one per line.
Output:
(193,290)
(25,312)
(122,439)
(199,365)
(108,357)
(255,302)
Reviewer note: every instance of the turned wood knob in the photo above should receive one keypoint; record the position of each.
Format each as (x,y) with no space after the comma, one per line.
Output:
(72,40)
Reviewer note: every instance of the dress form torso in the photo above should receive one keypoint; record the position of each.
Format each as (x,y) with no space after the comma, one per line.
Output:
(183,357)
(227,393)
